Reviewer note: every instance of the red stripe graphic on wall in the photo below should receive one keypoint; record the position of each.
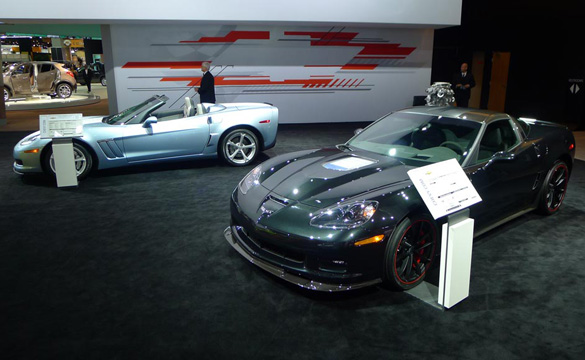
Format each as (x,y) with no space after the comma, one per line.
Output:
(231,37)
(260,80)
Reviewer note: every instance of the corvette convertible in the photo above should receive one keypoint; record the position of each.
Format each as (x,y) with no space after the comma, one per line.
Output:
(346,217)
(236,132)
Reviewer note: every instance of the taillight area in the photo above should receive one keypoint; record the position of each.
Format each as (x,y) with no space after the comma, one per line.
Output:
(70,73)
(571,147)
(265,122)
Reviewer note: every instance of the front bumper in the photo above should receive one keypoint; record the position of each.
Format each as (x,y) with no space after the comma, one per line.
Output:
(232,235)
(26,163)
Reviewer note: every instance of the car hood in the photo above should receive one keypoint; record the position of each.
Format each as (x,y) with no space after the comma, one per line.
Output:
(327,176)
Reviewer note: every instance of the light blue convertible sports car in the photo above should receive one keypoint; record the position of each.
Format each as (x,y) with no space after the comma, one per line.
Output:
(236,132)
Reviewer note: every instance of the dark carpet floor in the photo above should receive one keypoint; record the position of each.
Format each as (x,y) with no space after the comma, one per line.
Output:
(133,264)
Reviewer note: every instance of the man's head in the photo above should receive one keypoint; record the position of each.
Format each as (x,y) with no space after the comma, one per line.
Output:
(464,67)
(205,66)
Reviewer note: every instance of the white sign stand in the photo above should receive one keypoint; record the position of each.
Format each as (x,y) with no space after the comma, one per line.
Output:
(446,189)
(62,128)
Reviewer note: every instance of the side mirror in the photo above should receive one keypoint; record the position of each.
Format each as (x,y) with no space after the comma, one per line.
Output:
(357,131)
(503,156)
(149,121)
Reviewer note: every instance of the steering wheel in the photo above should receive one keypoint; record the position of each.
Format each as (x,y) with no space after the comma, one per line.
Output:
(453,146)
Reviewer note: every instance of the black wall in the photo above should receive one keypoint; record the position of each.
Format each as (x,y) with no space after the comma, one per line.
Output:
(546,46)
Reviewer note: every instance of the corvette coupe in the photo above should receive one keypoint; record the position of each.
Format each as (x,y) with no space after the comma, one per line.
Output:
(346,217)
(236,132)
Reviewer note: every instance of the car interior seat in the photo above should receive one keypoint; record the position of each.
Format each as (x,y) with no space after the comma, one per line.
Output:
(189,109)
(491,143)
(427,136)
(201,109)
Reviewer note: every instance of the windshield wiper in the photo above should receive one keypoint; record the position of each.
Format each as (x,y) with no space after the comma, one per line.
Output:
(344,147)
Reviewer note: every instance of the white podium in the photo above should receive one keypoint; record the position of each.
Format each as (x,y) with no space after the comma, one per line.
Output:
(61,128)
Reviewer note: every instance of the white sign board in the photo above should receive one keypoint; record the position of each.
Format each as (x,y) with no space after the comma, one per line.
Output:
(61,125)
(444,187)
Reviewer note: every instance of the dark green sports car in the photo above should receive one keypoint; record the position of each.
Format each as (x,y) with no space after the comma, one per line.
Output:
(347,217)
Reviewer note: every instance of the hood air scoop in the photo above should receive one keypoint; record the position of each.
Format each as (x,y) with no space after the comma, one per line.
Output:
(349,163)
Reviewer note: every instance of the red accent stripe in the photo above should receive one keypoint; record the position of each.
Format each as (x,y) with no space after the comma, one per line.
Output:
(163,64)
(227,81)
(231,37)
(359,67)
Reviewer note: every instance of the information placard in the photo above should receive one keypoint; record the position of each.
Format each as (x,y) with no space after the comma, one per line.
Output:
(444,187)
(61,125)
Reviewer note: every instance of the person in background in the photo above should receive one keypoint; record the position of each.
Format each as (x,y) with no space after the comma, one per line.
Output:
(207,89)
(87,74)
(464,82)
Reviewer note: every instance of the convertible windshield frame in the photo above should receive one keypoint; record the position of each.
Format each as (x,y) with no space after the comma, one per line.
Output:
(418,139)
(138,113)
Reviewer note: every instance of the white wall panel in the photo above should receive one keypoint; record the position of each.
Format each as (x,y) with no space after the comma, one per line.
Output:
(401,12)
(312,74)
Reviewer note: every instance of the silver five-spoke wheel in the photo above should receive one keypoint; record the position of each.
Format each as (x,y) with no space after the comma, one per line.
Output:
(239,147)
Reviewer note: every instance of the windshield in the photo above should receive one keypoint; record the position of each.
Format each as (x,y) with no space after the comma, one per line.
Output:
(137,113)
(418,139)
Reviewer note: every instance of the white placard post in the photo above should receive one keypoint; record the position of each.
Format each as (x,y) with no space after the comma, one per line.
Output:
(62,128)
(446,190)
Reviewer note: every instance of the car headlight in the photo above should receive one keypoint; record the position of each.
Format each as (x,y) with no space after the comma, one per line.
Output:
(346,216)
(250,180)
(29,140)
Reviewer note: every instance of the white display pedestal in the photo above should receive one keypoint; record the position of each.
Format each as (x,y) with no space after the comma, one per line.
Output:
(64,162)
(455,269)
(456,249)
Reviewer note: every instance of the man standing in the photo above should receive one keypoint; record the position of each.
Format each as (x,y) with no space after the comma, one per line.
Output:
(207,89)
(463,81)
(87,74)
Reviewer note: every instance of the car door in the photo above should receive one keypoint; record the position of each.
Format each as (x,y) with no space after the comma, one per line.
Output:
(22,79)
(166,139)
(46,75)
(505,173)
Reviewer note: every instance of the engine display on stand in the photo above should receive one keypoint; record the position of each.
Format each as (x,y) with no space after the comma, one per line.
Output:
(440,94)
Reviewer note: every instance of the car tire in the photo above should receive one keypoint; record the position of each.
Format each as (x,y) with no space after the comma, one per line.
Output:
(103,81)
(554,188)
(82,156)
(239,147)
(64,90)
(6,94)
(410,252)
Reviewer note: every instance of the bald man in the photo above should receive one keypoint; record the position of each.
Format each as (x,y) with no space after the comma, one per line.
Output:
(463,82)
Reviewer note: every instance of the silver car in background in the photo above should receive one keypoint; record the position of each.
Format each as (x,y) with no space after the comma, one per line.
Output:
(38,77)
(235,132)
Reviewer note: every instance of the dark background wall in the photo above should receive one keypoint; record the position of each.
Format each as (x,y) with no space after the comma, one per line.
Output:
(545,40)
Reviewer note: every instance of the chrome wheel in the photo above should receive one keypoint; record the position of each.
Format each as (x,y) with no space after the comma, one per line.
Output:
(103,81)
(240,147)
(6,94)
(64,90)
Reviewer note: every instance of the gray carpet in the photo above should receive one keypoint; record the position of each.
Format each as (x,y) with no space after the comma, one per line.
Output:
(133,264)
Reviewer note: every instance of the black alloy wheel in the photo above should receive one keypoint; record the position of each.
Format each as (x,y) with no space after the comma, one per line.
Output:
(410,252)
(554,188)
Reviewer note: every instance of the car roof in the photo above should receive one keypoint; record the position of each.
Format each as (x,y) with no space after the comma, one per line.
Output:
(477,115)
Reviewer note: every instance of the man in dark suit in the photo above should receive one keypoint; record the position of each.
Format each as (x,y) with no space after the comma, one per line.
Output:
(207,89)
(463,81)
(87,74)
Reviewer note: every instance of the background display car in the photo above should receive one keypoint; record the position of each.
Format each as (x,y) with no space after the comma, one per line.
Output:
(99,74)
(43,77)
(347,217)
(235,132)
